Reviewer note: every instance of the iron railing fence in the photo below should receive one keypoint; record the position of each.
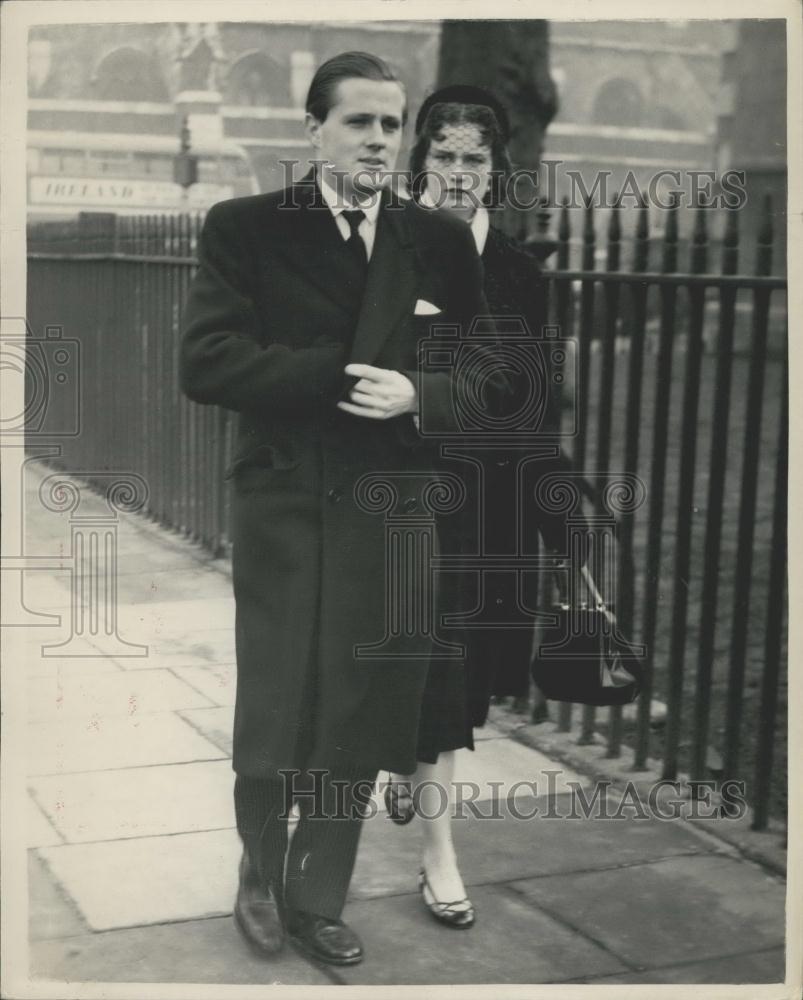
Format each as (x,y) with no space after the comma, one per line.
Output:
(680,379)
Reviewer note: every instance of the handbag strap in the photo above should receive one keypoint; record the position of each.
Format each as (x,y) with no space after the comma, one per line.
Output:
(601,606)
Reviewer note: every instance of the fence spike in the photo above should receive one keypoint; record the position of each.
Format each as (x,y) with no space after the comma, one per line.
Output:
(730,244)
(614,235)
(183,234)
(641,245)
(699,243)
(564,234)
(564,224)
(589,238)
(670,255)
(765,238)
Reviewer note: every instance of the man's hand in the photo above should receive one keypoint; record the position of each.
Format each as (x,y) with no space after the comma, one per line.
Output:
(380,393)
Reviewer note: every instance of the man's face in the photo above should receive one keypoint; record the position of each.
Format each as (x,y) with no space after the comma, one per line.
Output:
(361,134)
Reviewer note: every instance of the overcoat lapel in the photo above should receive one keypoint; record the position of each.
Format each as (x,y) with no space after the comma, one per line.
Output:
(391,283)
(309,239)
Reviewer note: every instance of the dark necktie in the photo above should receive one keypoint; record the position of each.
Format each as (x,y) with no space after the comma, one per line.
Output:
(355,244)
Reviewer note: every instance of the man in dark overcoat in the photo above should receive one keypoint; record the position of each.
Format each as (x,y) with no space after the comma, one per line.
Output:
(305,317)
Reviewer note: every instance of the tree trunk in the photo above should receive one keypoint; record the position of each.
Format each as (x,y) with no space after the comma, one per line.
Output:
(510,58)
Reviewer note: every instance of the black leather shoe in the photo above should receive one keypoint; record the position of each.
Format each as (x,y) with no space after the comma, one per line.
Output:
(324,939)
(257,912)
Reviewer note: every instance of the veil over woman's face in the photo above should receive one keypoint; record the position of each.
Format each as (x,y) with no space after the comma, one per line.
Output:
(458,165)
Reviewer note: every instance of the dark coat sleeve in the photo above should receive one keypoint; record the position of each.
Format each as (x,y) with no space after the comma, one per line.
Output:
(439,386)
(516,286)
(224,359)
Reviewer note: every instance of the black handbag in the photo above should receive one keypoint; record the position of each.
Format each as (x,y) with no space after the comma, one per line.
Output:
(579,656)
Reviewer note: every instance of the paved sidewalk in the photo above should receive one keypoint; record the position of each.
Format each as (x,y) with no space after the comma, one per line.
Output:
(133,855)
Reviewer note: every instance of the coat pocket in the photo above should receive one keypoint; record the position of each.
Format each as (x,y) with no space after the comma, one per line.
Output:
(258,466)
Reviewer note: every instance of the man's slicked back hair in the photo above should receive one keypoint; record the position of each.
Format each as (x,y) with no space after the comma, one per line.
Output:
(347,66)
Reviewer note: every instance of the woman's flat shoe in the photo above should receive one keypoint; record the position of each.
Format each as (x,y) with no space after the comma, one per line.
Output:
(446,913)
(399,802)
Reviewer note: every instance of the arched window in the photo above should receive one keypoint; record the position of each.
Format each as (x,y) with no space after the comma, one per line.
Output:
(665,117)
(256,80)
(129,75)
(618,102)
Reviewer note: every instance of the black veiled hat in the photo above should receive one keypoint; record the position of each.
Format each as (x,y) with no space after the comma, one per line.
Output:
(460,93)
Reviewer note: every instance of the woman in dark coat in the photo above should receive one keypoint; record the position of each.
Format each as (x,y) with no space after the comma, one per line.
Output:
(460,164)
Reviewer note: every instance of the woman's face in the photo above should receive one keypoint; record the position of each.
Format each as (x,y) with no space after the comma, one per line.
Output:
(458,167)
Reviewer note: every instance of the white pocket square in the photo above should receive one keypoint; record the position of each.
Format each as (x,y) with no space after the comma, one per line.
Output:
(424,308)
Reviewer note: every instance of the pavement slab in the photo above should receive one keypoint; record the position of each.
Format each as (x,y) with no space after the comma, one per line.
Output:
(149,880)
(47,588)
(146,554)
(175,584)
(217,682)
(508,762)
(40,831)
(214,724)
(44,533)
(511,942)
(389,855)
(766,966)
(59,667)
(134,866)
(51,912)
(101,742)
(691,908)
(139,801)
(123,693)
(200,951)
(158,620)
(188,646)
(488,732)
(32,646)
(144,551)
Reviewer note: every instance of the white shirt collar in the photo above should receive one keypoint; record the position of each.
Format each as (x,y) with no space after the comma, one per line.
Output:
(480,224)
(370,207)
